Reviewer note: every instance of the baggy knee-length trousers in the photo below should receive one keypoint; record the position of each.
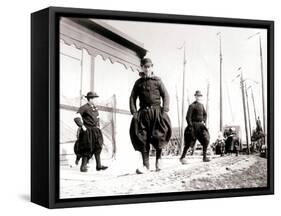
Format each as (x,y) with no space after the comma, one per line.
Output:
(152,126)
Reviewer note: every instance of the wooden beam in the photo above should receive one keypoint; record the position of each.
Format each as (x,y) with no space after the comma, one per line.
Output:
(101,108)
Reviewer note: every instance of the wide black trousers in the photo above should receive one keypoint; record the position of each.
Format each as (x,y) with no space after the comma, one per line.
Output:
(152,126)
(197,132)
(89,142)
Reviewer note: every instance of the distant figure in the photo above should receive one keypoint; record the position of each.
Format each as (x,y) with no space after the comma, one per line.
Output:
(151,123)
(219,145)
(258,123)
(90,139)
(257,136)
(196,118)
(231,142)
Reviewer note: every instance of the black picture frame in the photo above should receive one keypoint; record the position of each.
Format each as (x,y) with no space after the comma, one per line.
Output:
(45,106)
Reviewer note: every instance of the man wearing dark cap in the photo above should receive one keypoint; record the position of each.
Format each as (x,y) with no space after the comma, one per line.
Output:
(196,130)
(90,139)
(151,123)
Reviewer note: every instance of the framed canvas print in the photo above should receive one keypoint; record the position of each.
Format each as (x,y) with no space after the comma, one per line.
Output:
(139,107)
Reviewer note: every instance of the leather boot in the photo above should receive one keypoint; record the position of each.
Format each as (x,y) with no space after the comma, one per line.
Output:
(145,158)
(183,161)
(77,160)
(145,163)
(205,158)
(99,167)
(158,164)
(83,167)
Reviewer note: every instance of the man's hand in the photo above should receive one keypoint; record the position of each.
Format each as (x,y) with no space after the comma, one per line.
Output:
(135,115)
(163,110)
(84,128)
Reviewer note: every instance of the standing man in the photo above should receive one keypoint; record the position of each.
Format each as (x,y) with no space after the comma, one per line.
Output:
(196,119)
(151,123)
(219,145)
(232,142)
(258,123)
(90,139)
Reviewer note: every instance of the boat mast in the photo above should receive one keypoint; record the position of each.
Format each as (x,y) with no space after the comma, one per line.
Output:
(262,78)
(220,56)
(248,110)
(244,108)
(183,96)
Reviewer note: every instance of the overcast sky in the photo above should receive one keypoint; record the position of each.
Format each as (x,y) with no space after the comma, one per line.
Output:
(202,53)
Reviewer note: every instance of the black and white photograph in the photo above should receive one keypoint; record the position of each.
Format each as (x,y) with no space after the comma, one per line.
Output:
(140,107)
(158,107)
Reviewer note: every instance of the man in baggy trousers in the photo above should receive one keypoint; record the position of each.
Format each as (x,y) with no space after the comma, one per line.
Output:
(196,130)
(151,123)
(90,139)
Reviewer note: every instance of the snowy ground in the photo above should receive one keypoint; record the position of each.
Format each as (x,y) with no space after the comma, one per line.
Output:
(221,173)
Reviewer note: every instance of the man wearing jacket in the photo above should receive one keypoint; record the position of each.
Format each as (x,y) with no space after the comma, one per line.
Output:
(196,130)
(150,123)
(90,139)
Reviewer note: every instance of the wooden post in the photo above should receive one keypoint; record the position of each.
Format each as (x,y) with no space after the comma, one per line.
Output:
(248,110)
(179,123)
(221,110)
(244,109)
(92,74)
(262,86)
(113,125)
(81,77)
(254,105)
(178,111)
(183,98)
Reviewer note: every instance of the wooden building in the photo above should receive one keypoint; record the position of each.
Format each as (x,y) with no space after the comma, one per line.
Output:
(94,56)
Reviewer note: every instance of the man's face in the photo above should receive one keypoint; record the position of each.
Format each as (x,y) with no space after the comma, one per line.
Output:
(91,101)
(147,69)
(198,98)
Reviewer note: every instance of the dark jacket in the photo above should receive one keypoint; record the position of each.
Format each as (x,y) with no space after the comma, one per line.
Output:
(149,91)
(89,115)
(196,113)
